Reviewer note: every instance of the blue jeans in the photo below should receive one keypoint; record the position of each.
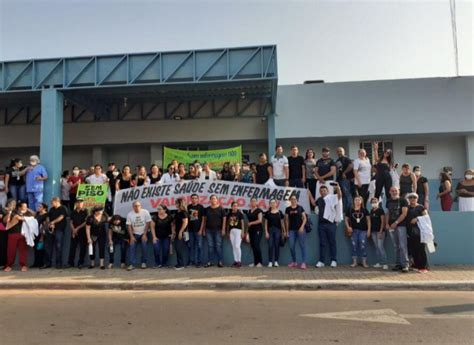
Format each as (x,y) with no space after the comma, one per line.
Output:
(214,242)
(34,200)
(327,238)
(18,192)
(400,244)
(133,249)
(122,244)
(346,194)
(54,242)
(359,243)
(379,247)
(194,248)
(161,250)
(294,234)
(274,244)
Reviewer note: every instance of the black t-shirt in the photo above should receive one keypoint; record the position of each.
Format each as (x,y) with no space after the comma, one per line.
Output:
(295,217)
(376,219)
(54,213)
(214,218)
(195,213)
(341,164)
(154,180)
(420,189)
(262,174)
(140,180)
(119,231)
(234,220)
(189,177)
(274,219)
(112,179)
(98,228)
(252,216)
(295,167)
(412,213)
(79,216)
(324,167)
(41,218)
(163,226)
(395,210)
(16,180)
(321,204)
(227,175)
(358,219)
(179,218)
(469,188)
(382,169)
(124,184)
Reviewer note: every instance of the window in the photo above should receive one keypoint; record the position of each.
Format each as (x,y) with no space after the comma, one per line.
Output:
(415,150)
(368,146)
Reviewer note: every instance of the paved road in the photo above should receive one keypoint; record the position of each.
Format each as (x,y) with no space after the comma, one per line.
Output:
(235,317)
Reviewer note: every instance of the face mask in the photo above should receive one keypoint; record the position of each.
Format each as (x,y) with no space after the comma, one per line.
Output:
(417,173)
(468,177)
(33,163)
(374,205)
(115,173)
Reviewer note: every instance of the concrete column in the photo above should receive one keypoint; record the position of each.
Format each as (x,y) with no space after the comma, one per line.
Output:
(98,156)
(51,140)
(353,146)
(470,151)
(156,155)
(271,134)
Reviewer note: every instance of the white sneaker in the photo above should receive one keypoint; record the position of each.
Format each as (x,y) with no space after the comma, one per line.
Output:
(252,265)
(143,265)
(270,264)
(319,264)
(259,265)
(377,265)
(385,267)
(276,264)
(333,264)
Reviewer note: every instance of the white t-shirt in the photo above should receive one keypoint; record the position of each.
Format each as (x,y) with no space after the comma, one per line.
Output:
(138,221)
(94,179)
(279,165)
(167,178)
(211,177)
(363,168)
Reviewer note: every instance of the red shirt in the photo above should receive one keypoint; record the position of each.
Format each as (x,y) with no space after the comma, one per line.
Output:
(74,179)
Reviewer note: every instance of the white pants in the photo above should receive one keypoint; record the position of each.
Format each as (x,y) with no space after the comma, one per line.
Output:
(236,240)
(466,204)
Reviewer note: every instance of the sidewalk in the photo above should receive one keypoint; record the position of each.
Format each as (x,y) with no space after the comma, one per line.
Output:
(341,278)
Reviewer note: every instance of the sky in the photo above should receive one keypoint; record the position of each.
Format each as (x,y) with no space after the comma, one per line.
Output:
(329,40)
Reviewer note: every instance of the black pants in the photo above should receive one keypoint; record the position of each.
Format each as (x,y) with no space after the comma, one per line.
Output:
(383,181)
(181,248)
(3,247)
(79,241)
(311,185)
(418,251)
(363,191)
(39,254)
(255,239)
(99,241)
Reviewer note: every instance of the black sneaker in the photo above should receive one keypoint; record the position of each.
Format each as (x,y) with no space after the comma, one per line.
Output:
(208,265)
(397,268)
(220,265)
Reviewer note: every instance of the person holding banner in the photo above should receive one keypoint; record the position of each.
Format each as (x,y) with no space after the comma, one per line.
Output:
(154,175)
(162,230)
(215,222)
(181,227)
(255,230)
(295,220)
(195,230)
(207,174)
(170,176)
(236,232)
(138,224)
(125,179)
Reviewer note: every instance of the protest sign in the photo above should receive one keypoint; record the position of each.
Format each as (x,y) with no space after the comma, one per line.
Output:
(92,194)
(215,158)
(227,192)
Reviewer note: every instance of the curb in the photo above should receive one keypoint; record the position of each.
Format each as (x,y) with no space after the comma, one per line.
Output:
(210,284)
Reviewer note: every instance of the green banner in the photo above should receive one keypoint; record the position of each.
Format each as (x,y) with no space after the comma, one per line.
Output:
(215,158)
(92,194)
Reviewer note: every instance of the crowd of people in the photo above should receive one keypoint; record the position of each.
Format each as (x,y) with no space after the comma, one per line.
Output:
(399,203)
